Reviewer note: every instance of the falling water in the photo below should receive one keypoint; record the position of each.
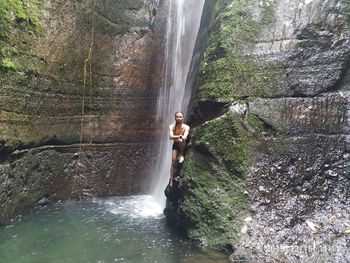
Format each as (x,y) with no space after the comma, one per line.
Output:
(182,29)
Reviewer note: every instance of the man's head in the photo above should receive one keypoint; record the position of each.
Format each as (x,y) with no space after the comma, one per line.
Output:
(179,117)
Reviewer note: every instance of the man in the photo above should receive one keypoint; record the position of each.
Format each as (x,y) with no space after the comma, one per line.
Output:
(178,132)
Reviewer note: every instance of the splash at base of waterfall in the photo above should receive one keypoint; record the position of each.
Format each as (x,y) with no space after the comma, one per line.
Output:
(117,229)
(134,206)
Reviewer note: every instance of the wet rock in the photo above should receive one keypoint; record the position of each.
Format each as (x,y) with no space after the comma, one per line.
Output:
(23,184)
(289,63)
(262,189)
(43,201)
(347,231)
(45,99)
(315,228)
(321,114)
(48,110)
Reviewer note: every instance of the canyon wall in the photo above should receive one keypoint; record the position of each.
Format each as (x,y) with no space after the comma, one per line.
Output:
(267,169)
(78,89)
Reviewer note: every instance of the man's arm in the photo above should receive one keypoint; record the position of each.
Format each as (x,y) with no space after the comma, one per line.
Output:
(171,133)
(187,130)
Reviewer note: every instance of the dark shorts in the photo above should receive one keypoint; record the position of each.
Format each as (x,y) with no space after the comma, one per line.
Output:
(176,146)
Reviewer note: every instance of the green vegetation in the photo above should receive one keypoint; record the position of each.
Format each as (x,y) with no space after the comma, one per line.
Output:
(347,10)
(256,124)
(222,149)
(268,12)
(226,138)
(216,204)
(24,13)
(225,72)
(281,147)
(233,77)
(215,164)
(19,24)
(233,25)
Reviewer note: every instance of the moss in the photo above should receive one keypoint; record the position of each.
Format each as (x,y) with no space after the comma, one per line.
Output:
(226,73)
(215,166)
(7,63)
(232,77)
(217,202)
(281,147)
(268,15)
(20,13)
(226,138)
(256,124)
(19,24)
(234,25)
(347,10)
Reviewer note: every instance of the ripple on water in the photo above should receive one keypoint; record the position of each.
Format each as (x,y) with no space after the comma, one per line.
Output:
(120,229)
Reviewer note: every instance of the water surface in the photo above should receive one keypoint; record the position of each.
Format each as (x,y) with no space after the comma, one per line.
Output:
(119,229)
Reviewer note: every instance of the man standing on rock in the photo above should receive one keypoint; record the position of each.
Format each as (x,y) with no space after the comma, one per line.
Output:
(178,132)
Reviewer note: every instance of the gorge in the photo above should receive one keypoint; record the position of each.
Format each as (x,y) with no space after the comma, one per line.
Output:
(266,174)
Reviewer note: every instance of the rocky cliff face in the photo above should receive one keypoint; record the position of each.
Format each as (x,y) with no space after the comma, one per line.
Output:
(267,171)
(79,81)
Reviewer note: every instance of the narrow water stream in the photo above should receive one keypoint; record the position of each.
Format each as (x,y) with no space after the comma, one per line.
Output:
(182,29)
(118,229)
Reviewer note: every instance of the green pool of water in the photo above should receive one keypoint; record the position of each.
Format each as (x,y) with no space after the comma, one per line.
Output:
(119,229)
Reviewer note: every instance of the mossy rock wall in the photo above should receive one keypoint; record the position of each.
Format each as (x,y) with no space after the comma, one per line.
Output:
(213,178)
(282,67)
(67,68)
(79,75)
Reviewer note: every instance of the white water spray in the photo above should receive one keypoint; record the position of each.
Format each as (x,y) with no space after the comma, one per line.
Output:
(182,30)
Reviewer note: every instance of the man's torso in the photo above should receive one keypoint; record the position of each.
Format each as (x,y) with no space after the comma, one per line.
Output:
(179,129)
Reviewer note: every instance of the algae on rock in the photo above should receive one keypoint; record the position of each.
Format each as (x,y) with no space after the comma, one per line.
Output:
(46,47)
(288,62)
(215,202)
(213,180)
(20,24)
(226,72)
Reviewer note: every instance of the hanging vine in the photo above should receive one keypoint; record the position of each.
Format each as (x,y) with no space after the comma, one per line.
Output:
(87,82)
(87,70)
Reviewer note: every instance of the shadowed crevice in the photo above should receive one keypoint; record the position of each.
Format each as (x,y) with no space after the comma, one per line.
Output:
(207,110)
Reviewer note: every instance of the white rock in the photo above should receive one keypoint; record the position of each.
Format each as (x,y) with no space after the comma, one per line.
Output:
(244,229)
(248,219)
(261,188)
(315,228)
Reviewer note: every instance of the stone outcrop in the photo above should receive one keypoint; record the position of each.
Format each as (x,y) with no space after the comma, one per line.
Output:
(82,77)
(300,180)
(267,169)
(61,172)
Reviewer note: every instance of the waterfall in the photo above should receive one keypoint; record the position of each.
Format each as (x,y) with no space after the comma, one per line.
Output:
(182,28)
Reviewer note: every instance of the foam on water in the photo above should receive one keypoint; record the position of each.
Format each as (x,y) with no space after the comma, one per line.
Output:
(115,229)
(133,206)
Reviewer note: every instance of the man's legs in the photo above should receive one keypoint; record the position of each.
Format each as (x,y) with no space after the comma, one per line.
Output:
(173,166)
(182,147)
